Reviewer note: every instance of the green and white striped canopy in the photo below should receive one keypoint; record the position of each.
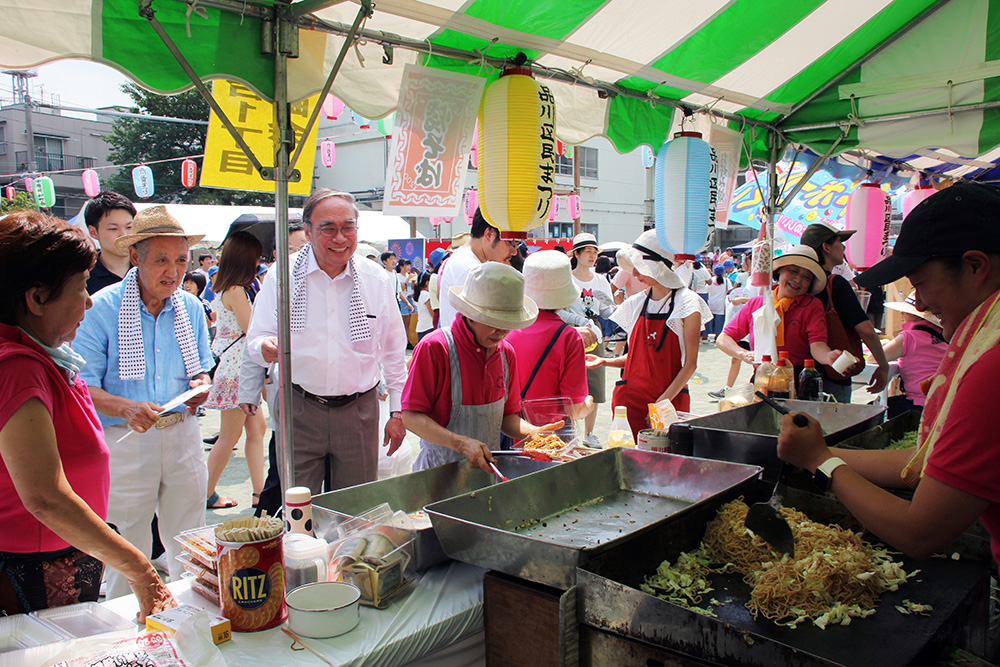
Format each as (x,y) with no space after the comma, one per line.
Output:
(885,72)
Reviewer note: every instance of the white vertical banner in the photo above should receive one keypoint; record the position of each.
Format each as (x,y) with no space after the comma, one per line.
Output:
(435,120)
(727,144)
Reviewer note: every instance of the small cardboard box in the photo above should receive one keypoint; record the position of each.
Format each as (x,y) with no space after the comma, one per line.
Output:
(169,621)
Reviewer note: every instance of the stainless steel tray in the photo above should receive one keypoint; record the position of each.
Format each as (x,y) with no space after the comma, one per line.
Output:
(750,434)
(542,526)
(609,599)
(409,493)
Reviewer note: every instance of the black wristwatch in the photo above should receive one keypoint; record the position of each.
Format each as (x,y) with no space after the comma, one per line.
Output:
(824,473)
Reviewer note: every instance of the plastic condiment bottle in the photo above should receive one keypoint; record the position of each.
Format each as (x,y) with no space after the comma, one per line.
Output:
(782,383)
(762,376)
(621,432)
(298,510)
(810,382)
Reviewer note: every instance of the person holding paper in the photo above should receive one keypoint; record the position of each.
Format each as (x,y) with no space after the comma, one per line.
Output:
(53,459)
(145,342)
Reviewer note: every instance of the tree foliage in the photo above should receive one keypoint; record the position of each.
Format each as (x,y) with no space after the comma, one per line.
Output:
(22,200)
(135,140)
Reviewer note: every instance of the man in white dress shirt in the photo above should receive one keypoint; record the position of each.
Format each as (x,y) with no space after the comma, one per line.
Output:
(345,324)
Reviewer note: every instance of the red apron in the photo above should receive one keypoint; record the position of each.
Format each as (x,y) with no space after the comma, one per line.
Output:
(654,359)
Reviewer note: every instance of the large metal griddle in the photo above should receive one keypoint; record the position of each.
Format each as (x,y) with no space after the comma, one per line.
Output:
(610,601)
(409,493)
(540,527)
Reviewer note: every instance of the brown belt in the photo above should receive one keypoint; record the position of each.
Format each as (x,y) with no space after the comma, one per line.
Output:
(170,419)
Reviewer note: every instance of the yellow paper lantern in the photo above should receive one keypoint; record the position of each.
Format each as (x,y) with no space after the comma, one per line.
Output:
(517,149)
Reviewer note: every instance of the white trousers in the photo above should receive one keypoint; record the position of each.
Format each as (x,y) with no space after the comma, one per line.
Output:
(162,471)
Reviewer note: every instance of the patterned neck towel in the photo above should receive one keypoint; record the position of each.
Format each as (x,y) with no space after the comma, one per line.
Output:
(360,330)
(979,332)
(132,360)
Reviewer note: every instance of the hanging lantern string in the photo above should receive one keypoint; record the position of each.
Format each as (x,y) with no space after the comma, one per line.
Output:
(21,175)
(480,58)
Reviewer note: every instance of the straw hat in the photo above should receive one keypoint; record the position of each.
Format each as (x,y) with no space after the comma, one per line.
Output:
(805,257)
(649,258)
(459,240)
(493,294)
(909,306)
(548,280)
(366,250)
(585,240)
(151,222)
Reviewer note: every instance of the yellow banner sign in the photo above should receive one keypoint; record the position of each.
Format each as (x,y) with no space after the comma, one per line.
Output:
(227,166)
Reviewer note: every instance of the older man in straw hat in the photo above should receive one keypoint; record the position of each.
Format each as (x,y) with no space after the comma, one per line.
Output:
(146,342)
(463,387)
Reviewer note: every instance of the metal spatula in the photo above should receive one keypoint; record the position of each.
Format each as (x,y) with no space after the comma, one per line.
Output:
(765,519)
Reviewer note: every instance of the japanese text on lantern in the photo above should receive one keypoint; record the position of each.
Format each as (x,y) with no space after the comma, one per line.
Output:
(546,149)
(713,184)
(227,166)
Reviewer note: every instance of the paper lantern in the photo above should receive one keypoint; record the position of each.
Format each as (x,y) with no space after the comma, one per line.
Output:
(29,184)
(574,206)
(915,196)
(474,148)
(435,221)
(471,204)
(516,153)
(142,181)
(554,209)
(332,107)
(361,121)
(45,192)
(328,151)
(386,124)
(11,193)
(189,173)
(869,212)
(560,148)
(685,193)
(91,183)
(648,158)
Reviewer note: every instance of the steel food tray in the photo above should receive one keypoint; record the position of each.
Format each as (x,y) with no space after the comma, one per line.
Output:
(749,434)
(410,493)
(542,526)
(609,600)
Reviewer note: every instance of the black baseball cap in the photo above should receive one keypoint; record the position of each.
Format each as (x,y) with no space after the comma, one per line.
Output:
(819,233)
(949,223)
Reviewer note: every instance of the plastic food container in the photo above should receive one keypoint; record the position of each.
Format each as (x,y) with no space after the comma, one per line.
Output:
(322,610)
(84,619)
(22,631)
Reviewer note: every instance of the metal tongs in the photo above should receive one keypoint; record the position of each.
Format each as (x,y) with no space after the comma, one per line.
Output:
(496,471)
(764,519)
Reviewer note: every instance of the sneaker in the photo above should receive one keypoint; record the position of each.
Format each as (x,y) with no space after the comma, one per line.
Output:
(160,564)
(591,441)
(718,395)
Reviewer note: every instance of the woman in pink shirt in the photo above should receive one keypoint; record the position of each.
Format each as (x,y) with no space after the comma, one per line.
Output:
(54,475)
(919,348)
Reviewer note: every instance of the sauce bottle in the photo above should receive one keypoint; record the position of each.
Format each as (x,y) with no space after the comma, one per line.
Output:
(782,383)
(810,382)
(762,376)
(621,433)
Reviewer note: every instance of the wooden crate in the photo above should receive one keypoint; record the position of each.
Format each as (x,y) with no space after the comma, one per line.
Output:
(528,624)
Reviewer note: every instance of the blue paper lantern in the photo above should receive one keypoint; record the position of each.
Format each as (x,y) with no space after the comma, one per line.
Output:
(142,181)
(44,192)
(686,192)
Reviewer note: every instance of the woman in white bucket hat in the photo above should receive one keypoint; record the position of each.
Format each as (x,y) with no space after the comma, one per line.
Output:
(463,385)
(664,326)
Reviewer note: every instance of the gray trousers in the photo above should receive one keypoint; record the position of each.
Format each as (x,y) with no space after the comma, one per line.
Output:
(349,434)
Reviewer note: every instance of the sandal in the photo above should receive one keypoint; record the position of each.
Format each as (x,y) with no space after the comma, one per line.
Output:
(256,499)
(217,502)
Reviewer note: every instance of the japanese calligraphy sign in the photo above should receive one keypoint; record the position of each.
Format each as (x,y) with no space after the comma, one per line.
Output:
(226,166)
(431,142)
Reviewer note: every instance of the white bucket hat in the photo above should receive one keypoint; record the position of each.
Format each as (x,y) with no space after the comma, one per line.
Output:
(548,280)
(649,258)
(805,257)
(909,306)
(585,240)
(493,294)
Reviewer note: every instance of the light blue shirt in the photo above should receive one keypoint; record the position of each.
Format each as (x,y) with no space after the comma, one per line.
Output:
(97,341)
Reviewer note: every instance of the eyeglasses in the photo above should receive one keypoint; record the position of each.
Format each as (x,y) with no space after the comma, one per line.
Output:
(330,230)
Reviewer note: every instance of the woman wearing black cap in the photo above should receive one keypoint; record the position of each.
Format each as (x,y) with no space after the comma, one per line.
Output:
(949,248)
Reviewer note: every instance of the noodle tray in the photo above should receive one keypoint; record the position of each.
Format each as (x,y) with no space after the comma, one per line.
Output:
(624,625)
(540,527)
(409,493)
(749,434)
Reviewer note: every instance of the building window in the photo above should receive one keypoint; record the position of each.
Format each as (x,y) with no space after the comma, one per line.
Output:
(588,162)
(590,229)
(48,153)
(560,230)
(3,138)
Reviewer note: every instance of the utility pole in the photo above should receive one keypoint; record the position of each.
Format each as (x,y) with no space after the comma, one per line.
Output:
(22,95)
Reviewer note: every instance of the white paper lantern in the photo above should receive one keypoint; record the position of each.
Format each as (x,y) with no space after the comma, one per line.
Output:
(45,192)
(142,181)
(686,193)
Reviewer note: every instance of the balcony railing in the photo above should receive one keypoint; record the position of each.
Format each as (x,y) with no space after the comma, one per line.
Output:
(54,161)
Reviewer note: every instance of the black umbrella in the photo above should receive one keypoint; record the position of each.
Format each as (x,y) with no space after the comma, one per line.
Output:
(260,225)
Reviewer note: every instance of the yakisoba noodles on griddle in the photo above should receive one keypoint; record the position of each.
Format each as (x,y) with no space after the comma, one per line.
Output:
(835,575)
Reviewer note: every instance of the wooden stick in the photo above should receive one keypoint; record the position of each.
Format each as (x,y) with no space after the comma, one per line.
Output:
(306,647)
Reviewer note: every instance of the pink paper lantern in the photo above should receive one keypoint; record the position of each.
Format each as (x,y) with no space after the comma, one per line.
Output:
(554,208)
(29,184)
(11,193)
(328,151)
(915,196)
(471,204)
(574,206)
(189,173)
(332,107)
(435,221)
(869,212)
(91,183)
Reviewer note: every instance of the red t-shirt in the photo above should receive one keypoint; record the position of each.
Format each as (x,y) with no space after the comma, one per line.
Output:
(805,323)
(564,371)
(28,372)
(428,385)
(967,454)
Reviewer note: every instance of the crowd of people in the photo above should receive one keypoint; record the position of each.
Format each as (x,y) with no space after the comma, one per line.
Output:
(492,329)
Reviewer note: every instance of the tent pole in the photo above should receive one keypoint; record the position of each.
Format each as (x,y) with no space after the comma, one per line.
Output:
(772,196)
